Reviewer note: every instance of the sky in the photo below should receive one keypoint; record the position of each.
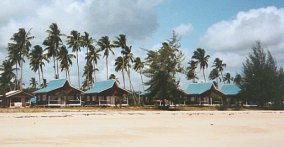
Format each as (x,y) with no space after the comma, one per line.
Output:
(227,29)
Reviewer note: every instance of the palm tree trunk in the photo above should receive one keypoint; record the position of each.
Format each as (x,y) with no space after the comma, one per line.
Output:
(78,69)
(41,74)
(222,77)
(88,82)
(57,72)
(107,66)
(16,81)
(94,73)
(54,67)
(204,75)
(69,76)
(123,78)
(21,81)
(142,80)
(39,77)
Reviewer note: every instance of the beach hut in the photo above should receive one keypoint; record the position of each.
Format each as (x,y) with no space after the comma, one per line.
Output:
(203,94)
(104,93)
(16,99)
(231,93)
(58,93)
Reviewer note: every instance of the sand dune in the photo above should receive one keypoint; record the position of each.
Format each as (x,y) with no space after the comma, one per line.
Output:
(143,128)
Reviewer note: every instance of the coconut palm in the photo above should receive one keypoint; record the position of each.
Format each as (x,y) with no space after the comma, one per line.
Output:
(202,59)
(7,75)
(21,42)
(120,66)
(74,41)
(219,65)
(88,72)
(120,41)
(87,42)
(214,74)
(37,60)
(128,59)
(15,59)
(113,77)
(53,41)
(93,56)
(191,75)
(228,78)
(138,66)
(33,82)
(65,61)
(106,46)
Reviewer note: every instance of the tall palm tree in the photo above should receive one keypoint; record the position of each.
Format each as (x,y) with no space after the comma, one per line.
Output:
(120,66)
(15,59)
(219,65)
(87,42)
(202,59)
(33,82)
(191,75)
(74,41)
(7,75)
(113,77)
(21,42)
(138,66)
(65,61)
(214,74)
(93,56)
(37,59)
(88,72)
(106,46)
(228,78)
(128,59)
(53,41)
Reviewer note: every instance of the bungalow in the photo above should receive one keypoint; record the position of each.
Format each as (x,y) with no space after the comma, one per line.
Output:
(16,98)
(104,93)
(203,94)
(231,93)
(58,93)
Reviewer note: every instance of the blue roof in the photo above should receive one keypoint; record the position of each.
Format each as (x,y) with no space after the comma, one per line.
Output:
(230,89)
(100,87)
(198,88)
(52,85)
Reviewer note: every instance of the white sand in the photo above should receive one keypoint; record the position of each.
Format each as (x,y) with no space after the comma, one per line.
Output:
(157,128)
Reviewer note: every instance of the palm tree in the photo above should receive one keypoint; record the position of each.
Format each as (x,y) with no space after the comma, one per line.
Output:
(93,56)
(228,78)
(106,46)
(74,41)
(120,66)
(88,43)
(219,65)
(7,75)
(128,59)
(88,72)
(202,59)
(37,60)
(65,61)
(53,41)
(191,75)
(238,79)
(113,77)
(138,66)
(33,82)
(21,42)
(15,59)
(214,74)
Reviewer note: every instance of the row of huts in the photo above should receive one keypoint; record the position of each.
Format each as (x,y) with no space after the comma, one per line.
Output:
(61,93)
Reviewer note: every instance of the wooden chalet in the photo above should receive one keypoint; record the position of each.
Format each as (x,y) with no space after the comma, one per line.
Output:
(58,93)
(231,93)
(16,99)
(104,93)
(203,94)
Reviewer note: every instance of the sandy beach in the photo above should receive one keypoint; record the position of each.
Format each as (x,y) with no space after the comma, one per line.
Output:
(143,128)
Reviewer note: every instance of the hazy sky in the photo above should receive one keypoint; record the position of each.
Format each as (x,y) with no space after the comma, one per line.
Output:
(224,28)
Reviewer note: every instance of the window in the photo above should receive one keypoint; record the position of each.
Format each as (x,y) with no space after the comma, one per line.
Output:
(43,97)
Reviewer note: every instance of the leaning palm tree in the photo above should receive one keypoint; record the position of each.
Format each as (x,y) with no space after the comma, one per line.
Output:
(93,56)
(120,66)
(74,41)
(106,46)
(219,65)
(21,42)
(53,41)
(138,66)
(65,61)
(33,82)
(202,59)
